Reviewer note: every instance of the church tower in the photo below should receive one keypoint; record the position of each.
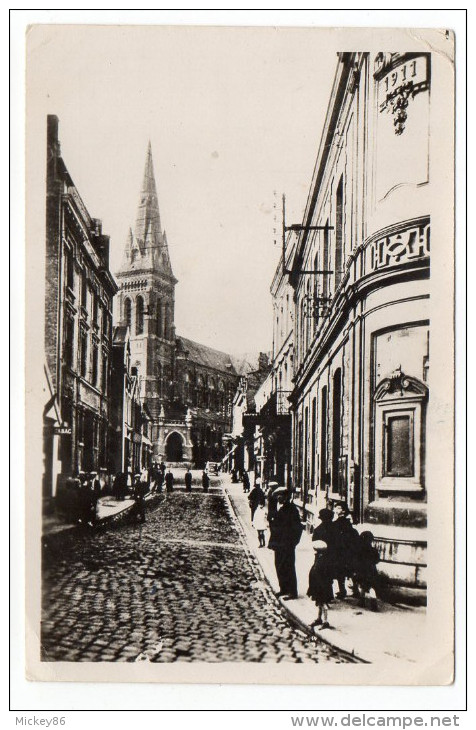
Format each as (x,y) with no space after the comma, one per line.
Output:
(147,298)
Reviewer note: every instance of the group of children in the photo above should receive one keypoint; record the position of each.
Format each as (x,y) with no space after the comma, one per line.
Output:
(340,553)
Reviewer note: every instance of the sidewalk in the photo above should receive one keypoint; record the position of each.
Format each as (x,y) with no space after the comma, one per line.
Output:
(394,633)
(108,510)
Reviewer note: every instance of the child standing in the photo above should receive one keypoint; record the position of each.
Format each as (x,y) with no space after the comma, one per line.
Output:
(260,523)
(366,575)
(320,584)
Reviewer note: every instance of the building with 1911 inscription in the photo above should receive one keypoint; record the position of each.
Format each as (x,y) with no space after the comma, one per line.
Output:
(78,328)
(360,275)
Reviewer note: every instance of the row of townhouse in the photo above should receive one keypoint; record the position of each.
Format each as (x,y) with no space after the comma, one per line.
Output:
(93,418)
(344,413)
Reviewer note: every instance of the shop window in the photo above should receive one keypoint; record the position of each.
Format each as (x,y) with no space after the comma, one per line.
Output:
(139,316)
(400,408)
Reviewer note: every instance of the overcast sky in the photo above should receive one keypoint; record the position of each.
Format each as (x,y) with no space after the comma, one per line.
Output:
(232,114)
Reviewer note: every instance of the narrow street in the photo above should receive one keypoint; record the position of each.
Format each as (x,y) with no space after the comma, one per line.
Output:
(181,587)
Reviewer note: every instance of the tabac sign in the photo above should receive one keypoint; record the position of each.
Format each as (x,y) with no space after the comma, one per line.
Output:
(62,430)
(400,78)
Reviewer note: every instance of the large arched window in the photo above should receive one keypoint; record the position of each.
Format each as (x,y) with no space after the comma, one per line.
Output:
(160,332)
(139,316)
(212,394)
(200,391)
(127,312)
(160,380)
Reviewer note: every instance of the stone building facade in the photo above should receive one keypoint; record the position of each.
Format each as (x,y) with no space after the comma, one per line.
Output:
(78,328)
(130,420)
(361,331)
(274,431)
(188,387)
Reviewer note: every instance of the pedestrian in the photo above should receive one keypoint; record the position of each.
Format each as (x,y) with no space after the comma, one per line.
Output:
(160,480)
(272,501)
(234,476)
(256,498)
(120,485)
(246,482)
(188,480)
(69,499)
(286,530)
(325,531)
(260,524)
(366,576)
(144,476)
(139,492)
(169,481)
(205,481)
(320,583)
(153,477)
(85,499)
(163,467)
(95,486)
(344,547)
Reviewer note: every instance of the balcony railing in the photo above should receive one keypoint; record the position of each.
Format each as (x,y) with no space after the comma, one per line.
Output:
(282,402)
(277,404)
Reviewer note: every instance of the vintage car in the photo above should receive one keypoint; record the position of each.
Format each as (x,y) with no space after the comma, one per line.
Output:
(212,467)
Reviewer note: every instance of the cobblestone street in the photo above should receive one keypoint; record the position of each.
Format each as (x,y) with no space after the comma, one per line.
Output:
(181,587)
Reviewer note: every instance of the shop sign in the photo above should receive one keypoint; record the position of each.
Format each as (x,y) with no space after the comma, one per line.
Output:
(62,431)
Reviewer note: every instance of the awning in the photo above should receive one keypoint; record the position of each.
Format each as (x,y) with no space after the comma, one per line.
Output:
(229,453)
(51,409)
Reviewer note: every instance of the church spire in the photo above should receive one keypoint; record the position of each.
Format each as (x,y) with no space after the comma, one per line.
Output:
(148,226)
(146,248)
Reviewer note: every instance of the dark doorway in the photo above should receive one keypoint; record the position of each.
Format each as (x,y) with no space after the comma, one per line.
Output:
(174,447)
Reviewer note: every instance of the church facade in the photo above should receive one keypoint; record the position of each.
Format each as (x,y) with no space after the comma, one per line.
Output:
(188,388)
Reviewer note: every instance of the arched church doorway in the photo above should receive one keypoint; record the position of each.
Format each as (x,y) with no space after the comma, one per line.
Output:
(174,447)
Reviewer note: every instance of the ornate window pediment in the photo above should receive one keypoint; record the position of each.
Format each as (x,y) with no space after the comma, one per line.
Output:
(400,385)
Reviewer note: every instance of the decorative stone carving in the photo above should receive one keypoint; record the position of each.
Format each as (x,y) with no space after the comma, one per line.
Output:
(399,79)
(400,384)
(400,247)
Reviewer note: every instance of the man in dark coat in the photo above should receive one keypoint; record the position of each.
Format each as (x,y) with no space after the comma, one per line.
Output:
(169,481)
(286,531)
(272,501)
(256,498)
(160,479)
(246,482)
(188,481)
(205,481)
(140,490)
(345,545)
